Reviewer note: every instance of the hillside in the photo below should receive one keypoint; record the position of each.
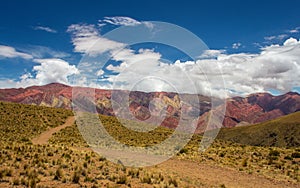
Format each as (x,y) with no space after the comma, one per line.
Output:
(280,132)
(19,123)
(255,108)
(57,163)
(66,161)
(260,107)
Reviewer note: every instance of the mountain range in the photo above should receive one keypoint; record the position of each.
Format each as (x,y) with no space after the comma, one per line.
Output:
(255,108)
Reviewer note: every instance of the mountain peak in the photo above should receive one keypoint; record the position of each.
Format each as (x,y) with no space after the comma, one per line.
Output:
(51,86)
(292,93)
(54,84)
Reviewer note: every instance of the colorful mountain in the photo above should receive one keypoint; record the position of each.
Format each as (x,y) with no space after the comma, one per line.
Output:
(255,108)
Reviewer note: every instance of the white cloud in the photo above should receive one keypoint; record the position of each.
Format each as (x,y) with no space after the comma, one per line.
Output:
(276,38)
(48,71)
(10,52)
(123,21)
(290,42)
(270,37)
(207,54)
(282,36)
(100,72)
(295,30)
(129,56)
(275,67)
(86,39)
(7,83)
(47,29)
(140,63)
(236,45)
(44,52)
(120,20)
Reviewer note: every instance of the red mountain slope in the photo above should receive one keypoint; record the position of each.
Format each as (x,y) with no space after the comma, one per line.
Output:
(254,108)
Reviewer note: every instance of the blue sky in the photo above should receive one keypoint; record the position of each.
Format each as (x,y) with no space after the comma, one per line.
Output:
(39,29)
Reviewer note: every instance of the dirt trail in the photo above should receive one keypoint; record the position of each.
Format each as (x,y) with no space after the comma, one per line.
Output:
(215,176)
(45,136)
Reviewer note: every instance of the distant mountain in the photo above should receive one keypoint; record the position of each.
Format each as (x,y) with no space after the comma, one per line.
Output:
(254,108)
(107,101)
(259,107)
(280,132)
(52,95)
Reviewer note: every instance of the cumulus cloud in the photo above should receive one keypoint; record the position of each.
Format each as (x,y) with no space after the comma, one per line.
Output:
(10,52)
(48,71)
(129,56)
(208,54)
(43,28)
(276,67)
(291,42)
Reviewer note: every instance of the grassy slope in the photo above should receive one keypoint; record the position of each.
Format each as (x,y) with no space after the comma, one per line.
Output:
(281,132)
(20,123)
(272,162)
(63,162)
(58,164)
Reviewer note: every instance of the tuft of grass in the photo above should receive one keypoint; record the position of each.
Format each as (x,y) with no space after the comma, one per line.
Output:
(76,177)
(58,174)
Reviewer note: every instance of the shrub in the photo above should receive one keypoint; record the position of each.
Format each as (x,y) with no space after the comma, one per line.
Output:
(245,162)
(288,157)
(16,181)
(85,164)
(296,155)
(58,174)
(23,182)
(64,180)
(122,179)
(32,183)
(173,181)
(274,153)
(76,177)
(183,150)
(146,179)
(133,173)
